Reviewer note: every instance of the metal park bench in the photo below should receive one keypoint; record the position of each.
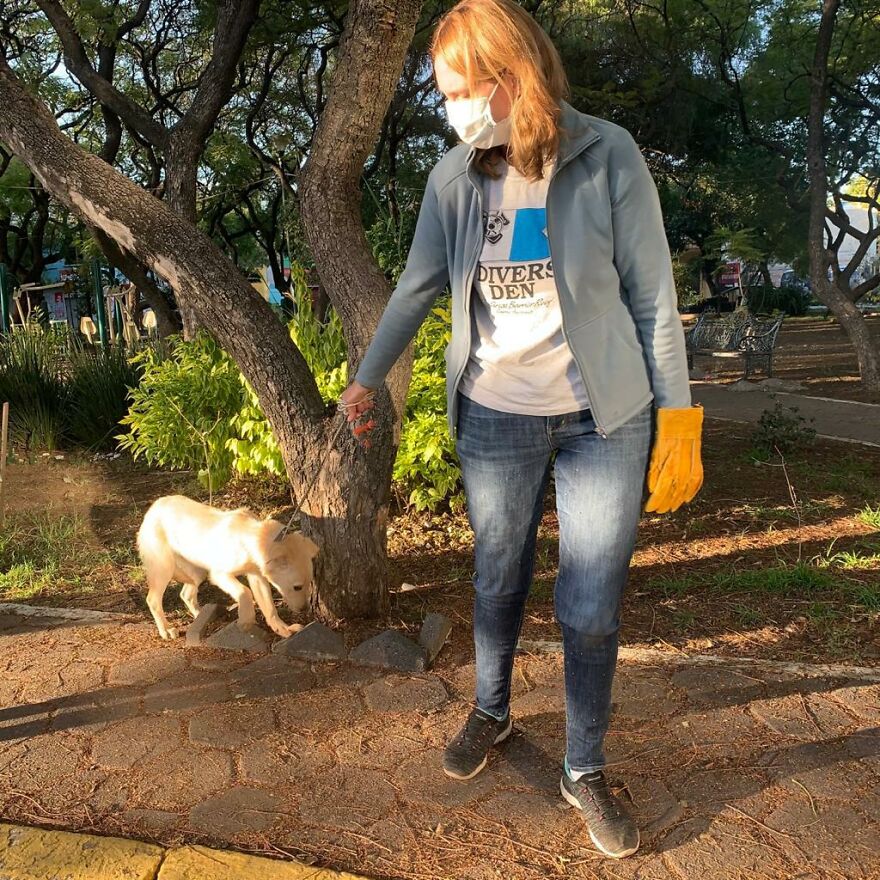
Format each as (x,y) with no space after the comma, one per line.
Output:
(734,335)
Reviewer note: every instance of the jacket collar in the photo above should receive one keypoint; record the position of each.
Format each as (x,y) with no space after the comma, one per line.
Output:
(575,134)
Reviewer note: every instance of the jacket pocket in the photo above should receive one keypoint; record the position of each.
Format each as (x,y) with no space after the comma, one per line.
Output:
(610,349)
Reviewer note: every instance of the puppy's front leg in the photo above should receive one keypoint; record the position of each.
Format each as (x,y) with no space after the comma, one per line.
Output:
(247,613)
(262,590)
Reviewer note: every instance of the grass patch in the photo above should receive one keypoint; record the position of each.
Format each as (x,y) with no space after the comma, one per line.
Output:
(747,616)
(40,553)
(784,580)
(847,474)
(798,581)
(862,557)
(870,516)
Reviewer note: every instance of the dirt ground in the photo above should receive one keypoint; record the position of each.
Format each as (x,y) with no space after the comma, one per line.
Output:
(697,580)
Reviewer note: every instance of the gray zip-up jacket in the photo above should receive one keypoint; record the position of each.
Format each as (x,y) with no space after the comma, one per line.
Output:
(610,259)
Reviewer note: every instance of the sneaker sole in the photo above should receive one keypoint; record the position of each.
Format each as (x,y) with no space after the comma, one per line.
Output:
(571,799)
(500,738)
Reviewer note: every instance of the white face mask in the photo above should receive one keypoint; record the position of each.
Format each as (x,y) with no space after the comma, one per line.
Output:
(472,120)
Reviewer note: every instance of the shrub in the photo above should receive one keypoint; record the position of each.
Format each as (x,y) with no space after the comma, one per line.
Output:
(426,465)
(782,430)
(99,383)
(31,381)
(181,412)
(194,410)
(766,300)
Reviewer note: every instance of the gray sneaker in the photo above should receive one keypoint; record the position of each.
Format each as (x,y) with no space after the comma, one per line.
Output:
(612,829)
(466,755)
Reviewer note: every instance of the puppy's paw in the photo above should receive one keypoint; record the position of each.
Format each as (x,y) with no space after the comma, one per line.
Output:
(170,633)
(279,627)
(294,628)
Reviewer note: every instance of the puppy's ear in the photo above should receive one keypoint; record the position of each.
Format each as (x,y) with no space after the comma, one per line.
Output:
(310,546)
(269,529)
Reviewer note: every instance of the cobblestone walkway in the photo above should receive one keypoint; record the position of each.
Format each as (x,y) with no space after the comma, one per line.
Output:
(733,772)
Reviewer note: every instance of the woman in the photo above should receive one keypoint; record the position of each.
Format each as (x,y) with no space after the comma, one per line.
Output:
(546,224)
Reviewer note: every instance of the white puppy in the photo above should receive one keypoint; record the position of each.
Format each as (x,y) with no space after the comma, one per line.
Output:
(183,540)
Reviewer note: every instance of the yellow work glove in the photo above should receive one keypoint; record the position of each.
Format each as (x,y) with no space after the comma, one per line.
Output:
(676,470)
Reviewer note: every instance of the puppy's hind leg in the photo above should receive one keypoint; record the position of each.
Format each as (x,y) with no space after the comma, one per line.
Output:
(191,577)
(157,581)
(158,561)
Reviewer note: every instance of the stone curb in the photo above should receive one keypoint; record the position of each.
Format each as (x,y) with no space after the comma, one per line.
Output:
(82,615)
(656,655)
(37,854)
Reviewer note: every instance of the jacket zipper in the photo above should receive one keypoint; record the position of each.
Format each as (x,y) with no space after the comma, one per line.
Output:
(600,430)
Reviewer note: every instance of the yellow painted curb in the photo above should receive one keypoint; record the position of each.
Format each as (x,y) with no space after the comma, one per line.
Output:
(201,863)
(36,854)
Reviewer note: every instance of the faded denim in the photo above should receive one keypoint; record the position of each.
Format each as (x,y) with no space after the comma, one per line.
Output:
(600,483)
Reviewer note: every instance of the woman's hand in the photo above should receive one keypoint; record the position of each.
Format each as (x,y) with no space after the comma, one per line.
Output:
(357,401)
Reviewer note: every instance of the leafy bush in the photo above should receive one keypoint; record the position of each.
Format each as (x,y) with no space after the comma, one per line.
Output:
(194,410)
(99,382)
(782,430)
(31,380)
(426,465)
(322,345)
(790,300)
(181,412)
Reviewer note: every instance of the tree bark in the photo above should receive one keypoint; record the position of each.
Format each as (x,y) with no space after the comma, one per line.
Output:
(840,303)
(166,321)
(371,53)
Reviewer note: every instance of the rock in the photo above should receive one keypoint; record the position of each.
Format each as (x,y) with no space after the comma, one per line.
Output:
(196,630)
(315,642)
(233,638)
(774,384)
(391,650)
(743,385)
(77,615)
(435,630)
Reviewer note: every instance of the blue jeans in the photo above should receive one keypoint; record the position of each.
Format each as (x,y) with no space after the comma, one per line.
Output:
(505,461)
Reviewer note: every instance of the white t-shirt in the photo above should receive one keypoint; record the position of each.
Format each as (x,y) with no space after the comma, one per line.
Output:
(519,360)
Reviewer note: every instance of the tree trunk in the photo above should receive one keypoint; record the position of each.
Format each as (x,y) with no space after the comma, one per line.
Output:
(371,53)
(180,191)
(347,513)
(841,305)
(166,320)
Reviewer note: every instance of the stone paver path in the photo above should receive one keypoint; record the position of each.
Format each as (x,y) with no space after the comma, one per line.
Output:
(733,772)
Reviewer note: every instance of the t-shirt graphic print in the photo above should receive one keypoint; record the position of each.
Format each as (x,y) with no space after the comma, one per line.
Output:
(519,360)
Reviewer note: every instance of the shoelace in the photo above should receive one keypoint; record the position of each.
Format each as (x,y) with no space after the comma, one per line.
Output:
(474,731)
(600,795)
